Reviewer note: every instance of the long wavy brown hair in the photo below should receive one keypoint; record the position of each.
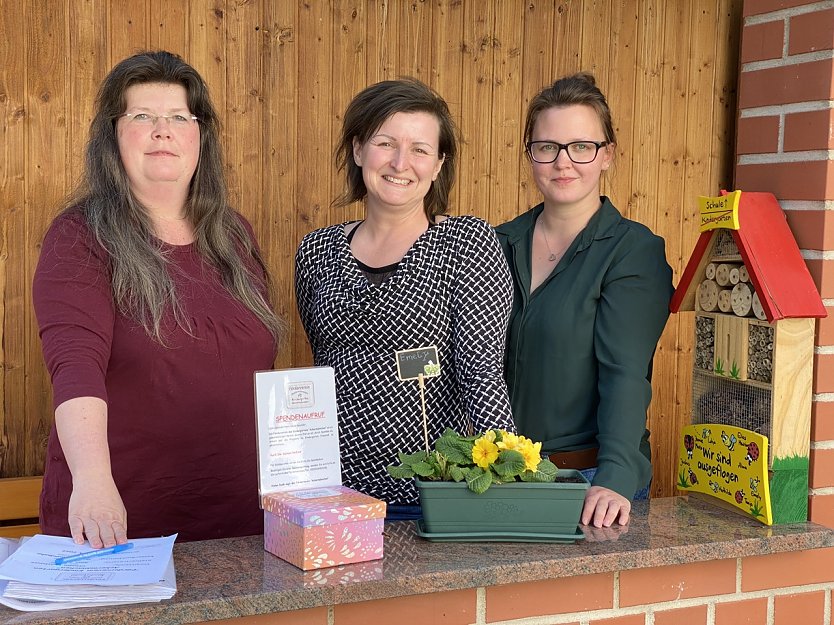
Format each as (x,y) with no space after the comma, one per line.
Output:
(141,285)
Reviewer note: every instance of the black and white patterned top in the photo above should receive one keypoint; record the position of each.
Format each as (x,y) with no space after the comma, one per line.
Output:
(452,290)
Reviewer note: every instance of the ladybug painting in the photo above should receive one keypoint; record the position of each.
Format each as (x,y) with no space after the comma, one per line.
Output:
(752,453)
(689,444)
(739,496)
(692,477)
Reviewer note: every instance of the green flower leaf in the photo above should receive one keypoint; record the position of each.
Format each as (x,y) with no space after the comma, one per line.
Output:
(509,464)
(456,473)
(478,480)
(456,450)
(424,469)
(399,472)
(409,459)
(548,470)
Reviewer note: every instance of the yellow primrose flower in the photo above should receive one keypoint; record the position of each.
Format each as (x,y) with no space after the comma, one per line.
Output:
(489,435)
(509,440)
(484,452)
(532,455)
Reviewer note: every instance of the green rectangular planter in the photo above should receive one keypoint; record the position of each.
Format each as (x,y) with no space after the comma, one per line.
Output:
(515,507)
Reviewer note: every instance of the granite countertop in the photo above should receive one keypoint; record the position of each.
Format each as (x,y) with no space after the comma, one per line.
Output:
(235,577)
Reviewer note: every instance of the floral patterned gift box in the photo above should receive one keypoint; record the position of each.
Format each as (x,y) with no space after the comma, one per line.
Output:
(322,527)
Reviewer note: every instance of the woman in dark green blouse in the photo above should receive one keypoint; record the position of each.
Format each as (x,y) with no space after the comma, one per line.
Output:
(591,299)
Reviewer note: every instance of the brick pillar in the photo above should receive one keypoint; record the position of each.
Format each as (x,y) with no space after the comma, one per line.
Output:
(785,145)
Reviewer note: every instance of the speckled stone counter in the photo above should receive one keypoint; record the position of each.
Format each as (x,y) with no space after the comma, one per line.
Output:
(236,577)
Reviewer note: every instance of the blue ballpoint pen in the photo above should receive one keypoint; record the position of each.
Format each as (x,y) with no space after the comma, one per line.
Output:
(93,554)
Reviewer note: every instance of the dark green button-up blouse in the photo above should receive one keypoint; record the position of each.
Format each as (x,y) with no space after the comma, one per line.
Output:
(579,348)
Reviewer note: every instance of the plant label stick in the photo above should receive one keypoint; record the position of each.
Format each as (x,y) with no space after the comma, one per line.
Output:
(422,384)
(419,364)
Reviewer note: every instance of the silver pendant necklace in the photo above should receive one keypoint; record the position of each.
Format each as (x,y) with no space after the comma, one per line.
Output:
(552,256)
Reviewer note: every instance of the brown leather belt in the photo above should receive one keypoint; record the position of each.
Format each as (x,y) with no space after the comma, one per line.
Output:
(579,459)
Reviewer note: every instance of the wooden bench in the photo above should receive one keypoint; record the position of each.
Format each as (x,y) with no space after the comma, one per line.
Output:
(19,505)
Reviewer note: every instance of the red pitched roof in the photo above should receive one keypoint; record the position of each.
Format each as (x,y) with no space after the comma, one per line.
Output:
(772,258)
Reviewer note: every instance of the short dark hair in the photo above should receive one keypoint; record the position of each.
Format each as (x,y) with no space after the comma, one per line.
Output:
(368,111)
(579,88)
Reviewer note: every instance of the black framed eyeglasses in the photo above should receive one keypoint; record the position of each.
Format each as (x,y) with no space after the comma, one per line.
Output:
(579,152)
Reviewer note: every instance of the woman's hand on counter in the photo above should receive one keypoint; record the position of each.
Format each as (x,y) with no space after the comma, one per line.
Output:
(604,507)
(97,512)
(604,534)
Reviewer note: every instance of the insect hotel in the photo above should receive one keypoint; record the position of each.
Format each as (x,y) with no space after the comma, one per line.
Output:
(755,304)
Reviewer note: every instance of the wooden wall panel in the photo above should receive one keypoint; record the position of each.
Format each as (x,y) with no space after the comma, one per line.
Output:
(281,74)
(447,67)
(505,147)
(476,100)
(280,146)
(47,145)
(15,320)
(672,146)
(127,31)
(538,71)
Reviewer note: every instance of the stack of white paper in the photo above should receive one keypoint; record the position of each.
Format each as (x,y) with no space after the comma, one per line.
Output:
(30,580)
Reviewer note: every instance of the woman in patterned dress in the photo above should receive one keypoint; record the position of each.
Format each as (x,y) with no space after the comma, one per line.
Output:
(405,277)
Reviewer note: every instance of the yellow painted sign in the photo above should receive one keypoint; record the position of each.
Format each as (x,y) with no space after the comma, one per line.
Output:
(729,463)
(719,212)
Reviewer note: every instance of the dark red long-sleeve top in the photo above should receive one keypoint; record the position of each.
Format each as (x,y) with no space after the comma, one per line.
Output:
(180,416)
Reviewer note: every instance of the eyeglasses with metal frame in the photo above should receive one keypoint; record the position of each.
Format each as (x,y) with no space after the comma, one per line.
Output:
(177,120)
(580,152)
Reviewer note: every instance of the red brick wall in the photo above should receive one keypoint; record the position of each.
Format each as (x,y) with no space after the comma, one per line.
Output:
(785,133)
(780,589)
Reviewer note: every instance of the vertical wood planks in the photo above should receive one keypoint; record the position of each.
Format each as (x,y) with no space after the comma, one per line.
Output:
(348,63)
(477,46)
(620,90)
(15,321)
(89,66)
(666,203)
(281,74)
(315,142)
(47,179)
(168,26)
(538,71)
(698,142)
(281,176)
(129,30)
(447,72)
(507,114)
(567,38)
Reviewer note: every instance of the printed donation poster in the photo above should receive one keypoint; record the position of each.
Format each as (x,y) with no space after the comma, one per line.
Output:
(298,435)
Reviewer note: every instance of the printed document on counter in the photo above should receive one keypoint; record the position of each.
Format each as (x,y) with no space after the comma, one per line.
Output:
(30,580)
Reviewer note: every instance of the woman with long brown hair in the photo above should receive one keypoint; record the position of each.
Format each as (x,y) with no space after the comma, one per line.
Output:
(153,305)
